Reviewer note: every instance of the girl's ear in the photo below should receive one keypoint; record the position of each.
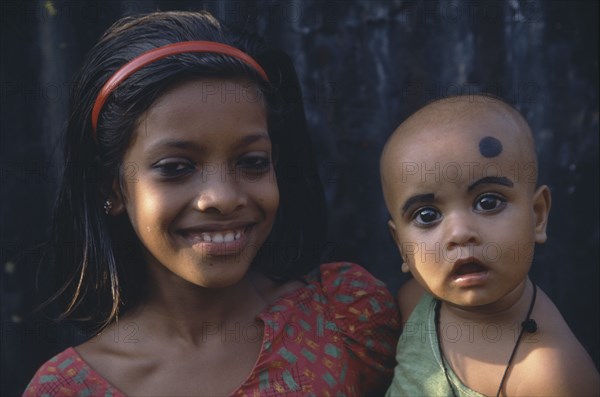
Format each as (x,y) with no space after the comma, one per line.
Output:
(117,198)
(392,230)
(542,200)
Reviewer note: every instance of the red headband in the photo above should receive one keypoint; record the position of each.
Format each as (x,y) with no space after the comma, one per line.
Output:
(162,52)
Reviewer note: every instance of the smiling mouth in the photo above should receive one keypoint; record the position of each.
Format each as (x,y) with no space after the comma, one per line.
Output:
(216,237)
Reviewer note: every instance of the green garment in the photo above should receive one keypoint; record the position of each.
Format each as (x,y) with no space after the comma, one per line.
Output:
(419,371)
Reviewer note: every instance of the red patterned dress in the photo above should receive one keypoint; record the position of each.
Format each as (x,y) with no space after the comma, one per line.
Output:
(335,336)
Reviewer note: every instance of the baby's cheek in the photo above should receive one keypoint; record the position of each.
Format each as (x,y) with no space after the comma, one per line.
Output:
(518,251)
(527,251)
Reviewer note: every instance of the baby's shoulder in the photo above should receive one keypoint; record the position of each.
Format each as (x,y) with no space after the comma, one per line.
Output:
(408,296)
(553,330)
(561,364)
(560,370)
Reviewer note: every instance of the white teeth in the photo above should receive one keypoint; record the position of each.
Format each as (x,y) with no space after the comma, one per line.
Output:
(219,237)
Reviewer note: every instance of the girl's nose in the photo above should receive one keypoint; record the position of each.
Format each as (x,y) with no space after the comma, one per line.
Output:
(220,193)
(461,230)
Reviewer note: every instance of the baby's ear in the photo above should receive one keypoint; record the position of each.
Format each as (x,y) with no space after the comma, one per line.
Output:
(542,200)
(392,229)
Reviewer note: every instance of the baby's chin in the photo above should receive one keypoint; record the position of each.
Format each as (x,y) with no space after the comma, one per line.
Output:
(470,302)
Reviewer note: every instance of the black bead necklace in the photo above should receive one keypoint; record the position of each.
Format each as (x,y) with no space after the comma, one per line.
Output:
(528,325)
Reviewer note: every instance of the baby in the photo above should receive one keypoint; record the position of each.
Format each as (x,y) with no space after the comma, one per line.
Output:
(460,182)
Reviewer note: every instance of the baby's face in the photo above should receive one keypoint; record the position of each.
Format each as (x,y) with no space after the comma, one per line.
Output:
(465,214)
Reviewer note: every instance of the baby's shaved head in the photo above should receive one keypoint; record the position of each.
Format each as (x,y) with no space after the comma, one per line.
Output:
(451,108)
(459,176)
(488,126)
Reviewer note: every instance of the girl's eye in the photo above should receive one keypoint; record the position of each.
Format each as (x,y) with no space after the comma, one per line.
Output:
(426,216)
(490,202)
(173,168)
(254,167)
(255,162)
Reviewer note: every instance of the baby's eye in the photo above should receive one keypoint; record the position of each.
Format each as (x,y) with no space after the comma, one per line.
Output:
(426,216)
(489,202)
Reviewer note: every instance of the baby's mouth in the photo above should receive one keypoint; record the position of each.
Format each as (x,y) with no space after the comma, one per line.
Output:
(467,268)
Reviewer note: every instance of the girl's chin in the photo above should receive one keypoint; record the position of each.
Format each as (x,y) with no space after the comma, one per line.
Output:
(219,274)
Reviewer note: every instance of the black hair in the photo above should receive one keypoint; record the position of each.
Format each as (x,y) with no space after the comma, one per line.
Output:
(96,258)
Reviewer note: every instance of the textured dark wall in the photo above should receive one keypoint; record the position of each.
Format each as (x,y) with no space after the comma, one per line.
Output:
(364,67)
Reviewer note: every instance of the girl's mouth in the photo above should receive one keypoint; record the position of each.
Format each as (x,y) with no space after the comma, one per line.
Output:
(222,236)
(222,241)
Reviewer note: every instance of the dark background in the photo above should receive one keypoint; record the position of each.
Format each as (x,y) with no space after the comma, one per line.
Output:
(364,67)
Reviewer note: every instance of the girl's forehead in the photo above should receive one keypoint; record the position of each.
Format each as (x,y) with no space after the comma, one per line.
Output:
(210,91)
(222,112)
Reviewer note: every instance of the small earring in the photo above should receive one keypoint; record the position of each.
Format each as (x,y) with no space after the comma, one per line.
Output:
(107,206)
(405,268)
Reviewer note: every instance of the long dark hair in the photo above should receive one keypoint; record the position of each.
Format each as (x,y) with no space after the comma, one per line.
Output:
(96,259)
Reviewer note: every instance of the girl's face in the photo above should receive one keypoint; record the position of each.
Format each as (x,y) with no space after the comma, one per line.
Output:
(199,185)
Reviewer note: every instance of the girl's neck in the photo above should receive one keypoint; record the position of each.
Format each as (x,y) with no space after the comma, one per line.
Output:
(510,308)
(175,308)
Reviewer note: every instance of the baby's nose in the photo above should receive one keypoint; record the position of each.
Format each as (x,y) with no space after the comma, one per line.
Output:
(461,230)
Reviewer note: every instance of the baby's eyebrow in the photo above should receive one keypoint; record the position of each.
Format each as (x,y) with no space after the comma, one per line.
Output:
(427,198)
(498,180)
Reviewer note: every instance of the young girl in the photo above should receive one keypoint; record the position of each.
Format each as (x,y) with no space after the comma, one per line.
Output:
(189,224)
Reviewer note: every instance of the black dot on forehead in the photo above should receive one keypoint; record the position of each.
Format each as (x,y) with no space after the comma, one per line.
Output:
(490,147)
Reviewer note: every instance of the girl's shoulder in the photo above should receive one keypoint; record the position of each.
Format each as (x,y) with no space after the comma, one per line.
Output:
(334,274)
(342,323)
(67,374)
(346,299)
(337,284)
(348,287)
